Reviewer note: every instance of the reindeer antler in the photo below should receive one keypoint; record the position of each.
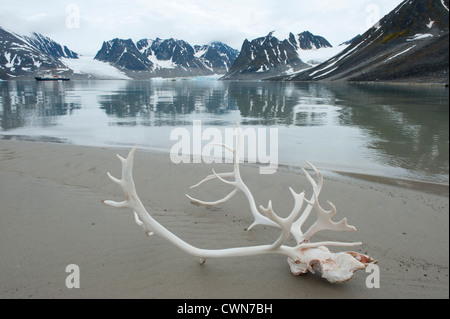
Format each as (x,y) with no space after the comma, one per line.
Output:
(151,226)
(324,221)
(238,184)
(305,256)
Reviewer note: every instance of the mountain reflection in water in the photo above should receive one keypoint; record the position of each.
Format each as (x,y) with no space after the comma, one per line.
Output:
(395,131)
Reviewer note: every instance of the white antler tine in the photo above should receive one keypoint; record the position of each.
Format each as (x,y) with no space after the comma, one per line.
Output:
(211,177)
(295,194)
(115,180)
(133,150)
(137,220)
(223,180)
(217,202)
(310,179)
(333,210)
(116,204)
(310,202)
(318,173)
(207,178)
(292,192)
(141,224)
(299,199)
(130,158)
(266,210)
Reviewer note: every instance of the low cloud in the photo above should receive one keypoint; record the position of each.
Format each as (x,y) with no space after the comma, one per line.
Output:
(196,21)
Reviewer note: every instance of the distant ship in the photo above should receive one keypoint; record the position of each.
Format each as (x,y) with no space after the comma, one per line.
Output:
(48,77)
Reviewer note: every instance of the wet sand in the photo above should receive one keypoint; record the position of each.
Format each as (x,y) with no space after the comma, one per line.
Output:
(51,216)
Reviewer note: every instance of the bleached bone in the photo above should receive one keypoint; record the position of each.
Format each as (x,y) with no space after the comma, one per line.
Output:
(238,184)
(323,222)
(305,256)
(150,225)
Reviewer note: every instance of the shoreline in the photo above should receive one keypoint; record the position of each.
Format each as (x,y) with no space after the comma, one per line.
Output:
(421,185)
(402,82)
(52,216)
(218,77)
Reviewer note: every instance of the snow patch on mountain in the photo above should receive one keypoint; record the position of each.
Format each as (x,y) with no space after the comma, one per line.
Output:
(94,68)
(410,44)
(317,56)
(161,64)
(419,36)
(398,54)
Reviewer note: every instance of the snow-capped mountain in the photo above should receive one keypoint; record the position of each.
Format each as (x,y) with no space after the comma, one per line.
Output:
(265,57)
(315,49)
(308,41)
(123,53)
(269,56)
(27,55)
(170,54)
(217,56)
(166,57)
(410,44)
(47,45)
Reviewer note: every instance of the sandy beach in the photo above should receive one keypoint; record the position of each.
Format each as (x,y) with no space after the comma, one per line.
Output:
(51,215)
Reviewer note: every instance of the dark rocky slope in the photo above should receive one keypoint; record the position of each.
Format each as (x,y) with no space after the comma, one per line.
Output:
(410,44)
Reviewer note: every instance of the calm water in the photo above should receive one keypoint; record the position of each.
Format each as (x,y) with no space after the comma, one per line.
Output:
(392,131)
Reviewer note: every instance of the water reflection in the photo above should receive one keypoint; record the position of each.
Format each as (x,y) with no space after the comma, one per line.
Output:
(259,103)
(33,103)
(164,102)
(305,104)
(408,126)
(383,126)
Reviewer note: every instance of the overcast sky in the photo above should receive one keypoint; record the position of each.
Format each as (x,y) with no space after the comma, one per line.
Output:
(83,25)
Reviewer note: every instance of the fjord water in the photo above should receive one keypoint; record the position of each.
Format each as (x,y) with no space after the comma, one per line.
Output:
(393,131)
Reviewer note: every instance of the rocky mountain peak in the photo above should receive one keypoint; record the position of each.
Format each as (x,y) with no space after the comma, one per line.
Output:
(308,41)
(269,56)
(167,57)
(47,45)
(408,44)
(24,56)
